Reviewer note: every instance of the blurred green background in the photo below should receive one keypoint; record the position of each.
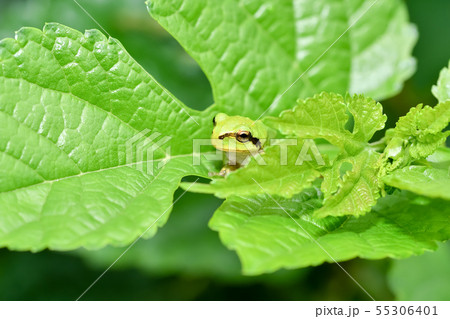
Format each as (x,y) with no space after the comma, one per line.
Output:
(186,261)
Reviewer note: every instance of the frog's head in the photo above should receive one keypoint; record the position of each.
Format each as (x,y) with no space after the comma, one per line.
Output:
(238,134)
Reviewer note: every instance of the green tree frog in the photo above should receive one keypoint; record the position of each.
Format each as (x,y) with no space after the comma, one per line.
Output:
(239,138)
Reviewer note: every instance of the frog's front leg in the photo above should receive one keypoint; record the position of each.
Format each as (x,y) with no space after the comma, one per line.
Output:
(225,170)
(232,161)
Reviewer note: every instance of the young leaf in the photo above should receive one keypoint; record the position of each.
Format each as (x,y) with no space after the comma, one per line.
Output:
(326,116)
(356,191)
(74,110)
(427,181)
(266,238)
(442,89)
(416,135)
(252,51)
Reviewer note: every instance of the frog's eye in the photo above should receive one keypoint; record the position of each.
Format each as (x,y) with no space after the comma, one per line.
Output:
(214,121)
(243,136)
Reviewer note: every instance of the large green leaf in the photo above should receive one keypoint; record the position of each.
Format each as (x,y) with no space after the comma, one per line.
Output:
(69,106)
(266,238)
(184,245)
(253,50)
(427,181)
(423,277)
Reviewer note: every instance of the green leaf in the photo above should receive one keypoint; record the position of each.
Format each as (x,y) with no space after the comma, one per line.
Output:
(326,116)
(442,89)
(427,181)
(356,191)
(416,135)
(252,51)
(440,158)
(266,238)
(423,277)
(69,106)
(184,245)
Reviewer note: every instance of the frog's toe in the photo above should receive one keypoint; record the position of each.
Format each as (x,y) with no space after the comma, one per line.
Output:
(224,171)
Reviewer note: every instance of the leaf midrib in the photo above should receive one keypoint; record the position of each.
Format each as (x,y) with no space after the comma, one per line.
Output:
(168,159)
